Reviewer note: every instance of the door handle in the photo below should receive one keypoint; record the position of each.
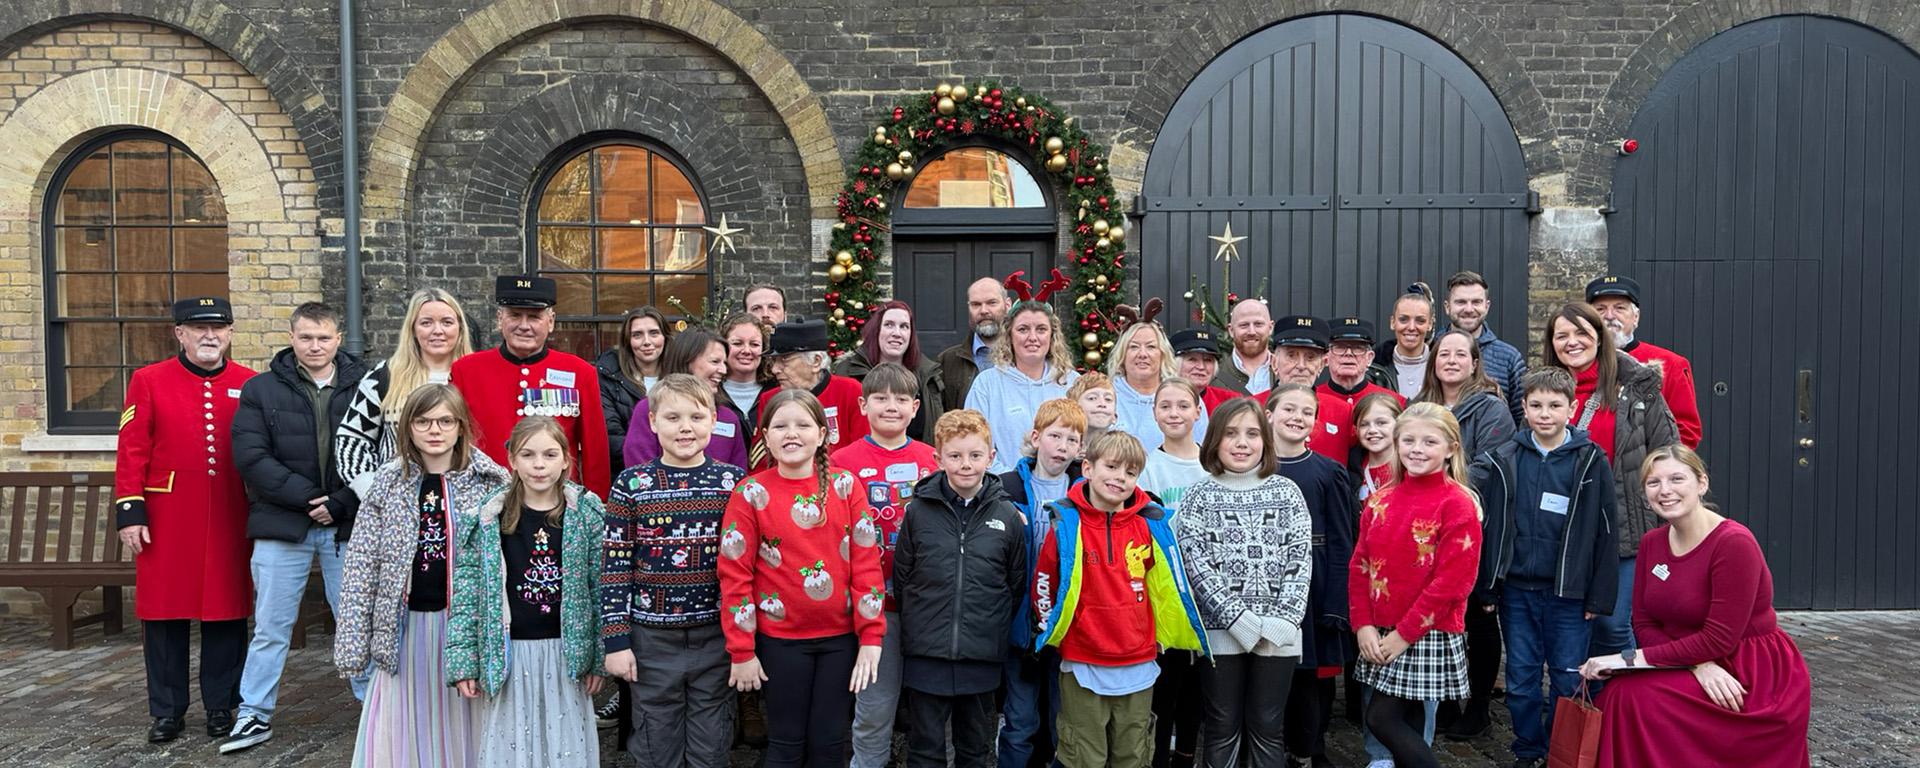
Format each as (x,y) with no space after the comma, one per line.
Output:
(1803,395)
(1806,442)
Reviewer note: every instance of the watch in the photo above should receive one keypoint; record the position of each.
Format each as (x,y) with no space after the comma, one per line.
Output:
(1629,654)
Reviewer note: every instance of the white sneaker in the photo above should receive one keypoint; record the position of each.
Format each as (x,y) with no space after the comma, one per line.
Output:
(1380,764)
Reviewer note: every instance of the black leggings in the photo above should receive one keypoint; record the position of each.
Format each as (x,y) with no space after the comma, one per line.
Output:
(1309,711)
(1176,709)
(1398,724)
(1483,651)
(810,709)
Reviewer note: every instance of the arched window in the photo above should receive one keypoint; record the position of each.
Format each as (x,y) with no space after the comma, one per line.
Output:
(134,221)
(617,223)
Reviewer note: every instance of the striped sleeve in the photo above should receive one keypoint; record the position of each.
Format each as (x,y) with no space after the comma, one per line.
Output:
(357,442)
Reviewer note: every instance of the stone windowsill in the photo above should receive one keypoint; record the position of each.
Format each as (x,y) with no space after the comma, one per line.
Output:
(44,443)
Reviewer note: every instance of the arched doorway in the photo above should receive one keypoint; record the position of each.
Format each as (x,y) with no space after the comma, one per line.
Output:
(1767,216)
(970,212)
(1355,155)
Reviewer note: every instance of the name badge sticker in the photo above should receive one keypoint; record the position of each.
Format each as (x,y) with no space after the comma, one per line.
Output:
(233,393)
(1553,502)
(904,472)
(560,378)
(724,428)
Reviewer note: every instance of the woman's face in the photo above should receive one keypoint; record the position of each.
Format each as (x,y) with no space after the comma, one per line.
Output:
(744,346)
(540,462)
(896,329)
(1673,489)
(1292,416)
(647,340)
(1575,343)
(1453,359)
(1240,446)
(1375,430)
(1032,338)
(710,366)
(1412,320)
(436,432)
(1175,411)
(1423,448)
(793,437)
(1143,357)
(436,329)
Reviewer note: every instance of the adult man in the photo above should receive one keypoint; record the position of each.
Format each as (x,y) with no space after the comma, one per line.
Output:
(1197,356)
(960,363)
(1250,326)
(301,509)
(1618,301)
(767,302)
(1467,307)
(1299,356)
(1345,383)
(525,378)
(190,561)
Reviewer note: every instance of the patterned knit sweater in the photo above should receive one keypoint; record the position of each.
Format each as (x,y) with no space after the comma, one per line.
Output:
(662,548)
(799,562)
(1248,546)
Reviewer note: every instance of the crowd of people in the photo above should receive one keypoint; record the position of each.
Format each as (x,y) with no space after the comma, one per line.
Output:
(724,533)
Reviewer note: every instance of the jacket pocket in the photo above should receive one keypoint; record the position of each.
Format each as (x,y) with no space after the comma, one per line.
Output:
(159,482)
(1115,632)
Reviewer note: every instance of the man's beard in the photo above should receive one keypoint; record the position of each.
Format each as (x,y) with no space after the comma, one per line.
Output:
(987,330)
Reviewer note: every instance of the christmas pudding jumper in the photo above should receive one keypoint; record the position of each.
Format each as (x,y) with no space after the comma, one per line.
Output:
(799,562)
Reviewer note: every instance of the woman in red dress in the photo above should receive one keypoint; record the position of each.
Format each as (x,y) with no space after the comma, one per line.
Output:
(1715,681)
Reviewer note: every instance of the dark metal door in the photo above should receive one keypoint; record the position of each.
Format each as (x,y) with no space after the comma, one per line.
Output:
(932,277)
(1356,156)
(1769,215)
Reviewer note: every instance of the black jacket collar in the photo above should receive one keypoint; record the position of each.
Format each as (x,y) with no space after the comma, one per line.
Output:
(528,360)
(204,373)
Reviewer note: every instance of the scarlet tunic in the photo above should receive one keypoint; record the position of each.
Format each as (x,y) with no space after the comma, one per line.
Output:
(174,473)
(1333,432)
(1676,386)
(500,389)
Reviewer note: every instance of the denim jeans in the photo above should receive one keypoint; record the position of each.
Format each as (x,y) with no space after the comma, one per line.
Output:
(1542,631)
(1031,683)
(1613,634)
(1377,751)
(280,571)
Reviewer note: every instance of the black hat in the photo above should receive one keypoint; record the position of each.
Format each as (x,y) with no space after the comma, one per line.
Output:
(1351,329)
(525,291)
(204,309)
(798,335)
(1300,331)
(1195,340)
(1614,285)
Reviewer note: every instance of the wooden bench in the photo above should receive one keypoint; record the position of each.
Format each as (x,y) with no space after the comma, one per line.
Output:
(61,542)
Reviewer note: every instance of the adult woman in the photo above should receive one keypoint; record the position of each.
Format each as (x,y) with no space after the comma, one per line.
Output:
(889,338)
(747,342)
(627,371)
(436,336)
(1030,367)
(1407,354)
(1713,662)
(698,352)
(1618,403)
(1144,358)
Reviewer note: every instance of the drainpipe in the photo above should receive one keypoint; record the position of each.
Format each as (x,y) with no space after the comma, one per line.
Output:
(356,342)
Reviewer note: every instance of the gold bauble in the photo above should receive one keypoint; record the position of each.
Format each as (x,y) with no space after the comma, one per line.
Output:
(836,273)
(840,323)
(943,89)
(905,157)
(1057,163)
(1090,340)
(1100,280)
(906,172)
(1102,243)
(1092,357)
(1108,344)
(1117,234)
(1100,227)
(839,313)
(880,133)
(879,205)
(945,105)
(1099,167)
(1055,145)
(843,258)
(858,305)
(960,93)
(854,270)
(896,171)
(1020,101)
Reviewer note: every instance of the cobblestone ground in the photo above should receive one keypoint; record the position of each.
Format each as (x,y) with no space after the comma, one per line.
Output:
(87,707)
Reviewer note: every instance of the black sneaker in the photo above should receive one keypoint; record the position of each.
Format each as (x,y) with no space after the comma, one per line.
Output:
(251,732)
(608,715)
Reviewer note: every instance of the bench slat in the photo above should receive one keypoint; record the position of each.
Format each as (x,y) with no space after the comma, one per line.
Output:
(90,520)
(17,519)
(43,520)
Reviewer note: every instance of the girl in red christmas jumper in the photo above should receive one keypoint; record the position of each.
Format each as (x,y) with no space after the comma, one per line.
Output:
(800,582)
(1413,565)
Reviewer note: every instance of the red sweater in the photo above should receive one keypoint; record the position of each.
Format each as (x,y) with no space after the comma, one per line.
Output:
(1416,558)
(500,390)
(840,397)
(1676,387)
(1600,428)
(1709,601)
(887,478)
(1113,620)
(1333,432)
(792,565)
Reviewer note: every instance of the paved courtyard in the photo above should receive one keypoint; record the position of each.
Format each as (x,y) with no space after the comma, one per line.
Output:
(87,707)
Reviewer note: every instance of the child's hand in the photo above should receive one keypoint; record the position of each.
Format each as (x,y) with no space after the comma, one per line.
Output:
(1368,638)
(866,668)
(620,664)
(747,675)
(1391,647)
(595,683)
(469,688)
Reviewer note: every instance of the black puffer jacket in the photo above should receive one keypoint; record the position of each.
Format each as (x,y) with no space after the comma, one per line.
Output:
(276,447)
(959,572)
(618,397)
(1485,423)
(1642,423)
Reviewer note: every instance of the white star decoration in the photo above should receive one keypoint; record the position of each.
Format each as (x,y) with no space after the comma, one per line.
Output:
(722,236)
(1229,245)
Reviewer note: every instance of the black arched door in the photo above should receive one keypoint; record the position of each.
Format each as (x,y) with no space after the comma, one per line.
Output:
(1769,217)
(972,211)
(1355,155)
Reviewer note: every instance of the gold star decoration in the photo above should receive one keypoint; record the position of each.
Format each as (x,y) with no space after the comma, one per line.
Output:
(1229,245)
(722,236)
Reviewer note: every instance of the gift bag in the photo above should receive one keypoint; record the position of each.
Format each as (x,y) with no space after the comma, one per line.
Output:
(1576,732)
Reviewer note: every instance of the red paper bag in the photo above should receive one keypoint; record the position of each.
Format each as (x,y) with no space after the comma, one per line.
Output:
(1576,732)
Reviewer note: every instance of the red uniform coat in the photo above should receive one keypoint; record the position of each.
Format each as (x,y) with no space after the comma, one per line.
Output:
(174,474)
(1333,432)
(1676,386)
(501,389)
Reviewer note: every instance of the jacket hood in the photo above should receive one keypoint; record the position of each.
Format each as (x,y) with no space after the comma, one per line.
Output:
(1141,506)
(1475,405)
(496,504)
(934,488)
(346,367)
(1641,381)
(608,363)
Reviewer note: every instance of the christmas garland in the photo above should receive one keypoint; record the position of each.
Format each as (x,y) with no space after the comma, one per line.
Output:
(920,129)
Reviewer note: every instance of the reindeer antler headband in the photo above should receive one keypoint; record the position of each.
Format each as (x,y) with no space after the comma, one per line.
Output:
(1023,289)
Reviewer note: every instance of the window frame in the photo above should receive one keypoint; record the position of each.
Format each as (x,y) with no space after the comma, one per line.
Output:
(964,222)
(62,420)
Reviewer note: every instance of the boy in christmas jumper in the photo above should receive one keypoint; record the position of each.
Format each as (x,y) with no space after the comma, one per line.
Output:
(887,464)
(1032,680)
(1110,592)
(660,584)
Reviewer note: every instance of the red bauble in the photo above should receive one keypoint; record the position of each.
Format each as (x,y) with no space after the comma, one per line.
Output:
(898,114)
(1102,201)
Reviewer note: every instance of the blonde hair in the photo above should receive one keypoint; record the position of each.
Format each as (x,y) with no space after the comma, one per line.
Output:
(1120,447)
(1437,416)
(529,428)
(407,367)
(1088,380)
(1057,358)
(683,386)
(1117,362)
(423,399)
(954,425)
(1676,452)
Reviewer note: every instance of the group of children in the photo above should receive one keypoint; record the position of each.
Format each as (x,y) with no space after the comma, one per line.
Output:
(1222,582)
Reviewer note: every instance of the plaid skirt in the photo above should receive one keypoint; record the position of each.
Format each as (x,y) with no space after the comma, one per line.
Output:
(1434,668)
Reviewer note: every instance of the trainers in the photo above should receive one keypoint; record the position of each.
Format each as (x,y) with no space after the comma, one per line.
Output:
(1380,764)
(608,715)
(250,732)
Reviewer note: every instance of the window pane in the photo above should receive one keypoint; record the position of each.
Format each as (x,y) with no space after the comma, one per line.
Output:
(95,389)
(674,201)
(200,250)
(623,184)
(85,296)
(144,295)
(578,338)
(566,197)
(140,182)
(86,198)
(623,249)
(196,198)
(142,249)
(619,293)
(148,342)
(188,284)
(92,343)
(690,289)
(575,293)
(680,250)
(81,249)
(974,177)
(565,248)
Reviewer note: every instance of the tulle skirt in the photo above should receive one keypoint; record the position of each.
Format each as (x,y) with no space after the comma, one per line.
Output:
(411,718)
(542,717)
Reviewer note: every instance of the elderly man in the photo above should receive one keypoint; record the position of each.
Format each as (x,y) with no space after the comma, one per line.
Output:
(182,511)
(1468,306)
(986,310)
(1618,301)
(1249,372)
(1300,345)
(525,378)
(1345,383)
(767,303)
(798,359)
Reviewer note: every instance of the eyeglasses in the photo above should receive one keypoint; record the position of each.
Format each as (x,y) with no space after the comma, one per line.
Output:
(1350,351)
(445,423)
